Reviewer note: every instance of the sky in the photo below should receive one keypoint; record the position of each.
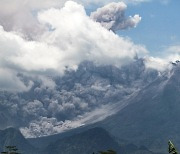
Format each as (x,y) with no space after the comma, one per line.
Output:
(40,40)
(159,27)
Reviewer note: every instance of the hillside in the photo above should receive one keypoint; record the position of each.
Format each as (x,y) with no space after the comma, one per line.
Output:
(92,140)
(13,137)
(152,118)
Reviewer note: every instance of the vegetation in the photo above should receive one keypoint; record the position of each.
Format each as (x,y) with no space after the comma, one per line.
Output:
(10,150)
(172,149)
(14,150)
(107,152)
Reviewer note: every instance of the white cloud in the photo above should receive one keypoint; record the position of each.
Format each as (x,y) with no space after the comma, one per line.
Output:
(20,15)
(9,81)
(112,16)
(22,18)
(170,54)
(84,39)
(60,38)
(71,38)
(26,55)
(173,53)
(156,63)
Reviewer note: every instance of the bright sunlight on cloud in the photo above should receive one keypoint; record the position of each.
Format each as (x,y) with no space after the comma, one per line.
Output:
(70,38)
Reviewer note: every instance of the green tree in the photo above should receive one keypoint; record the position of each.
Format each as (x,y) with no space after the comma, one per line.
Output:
(171,148)
(108,152)
(10,150)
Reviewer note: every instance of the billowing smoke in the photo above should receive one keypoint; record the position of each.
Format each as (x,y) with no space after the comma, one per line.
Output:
(70,38)
(87,95)
(43,90)
(20,15)
(31,96)
(112,17)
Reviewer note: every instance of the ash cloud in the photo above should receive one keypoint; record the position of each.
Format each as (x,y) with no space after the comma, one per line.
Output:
(30,90)
(80,97)
(69,38)
(112,17)
(20,15)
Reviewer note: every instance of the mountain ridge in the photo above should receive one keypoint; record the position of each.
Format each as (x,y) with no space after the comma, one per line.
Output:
(85,142)
(152,118)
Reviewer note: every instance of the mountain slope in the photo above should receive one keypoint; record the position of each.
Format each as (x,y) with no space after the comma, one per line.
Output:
(86,142)
(13,137)
(92,140)
(52,105)
(153,116)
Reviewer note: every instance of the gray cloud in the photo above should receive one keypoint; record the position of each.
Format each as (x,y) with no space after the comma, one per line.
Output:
(77,98)
(68,37)
(134,2)
(60,47)
(22,18)
(44,110)
(20,15)
(112,16)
